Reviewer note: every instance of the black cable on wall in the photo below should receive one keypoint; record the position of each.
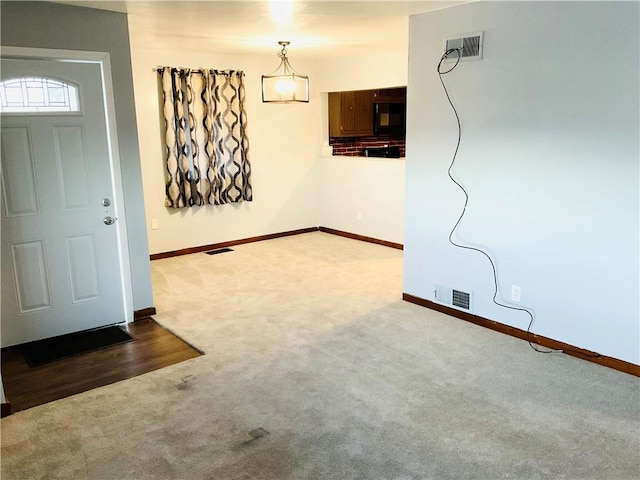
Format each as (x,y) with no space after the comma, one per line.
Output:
(528,311)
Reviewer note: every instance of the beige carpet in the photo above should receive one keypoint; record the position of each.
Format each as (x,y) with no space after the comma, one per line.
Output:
(315,369)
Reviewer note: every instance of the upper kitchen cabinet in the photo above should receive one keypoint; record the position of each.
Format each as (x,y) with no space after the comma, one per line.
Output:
(390,95)
(351,113)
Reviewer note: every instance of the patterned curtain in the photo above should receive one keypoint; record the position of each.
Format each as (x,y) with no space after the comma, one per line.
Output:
(205,137)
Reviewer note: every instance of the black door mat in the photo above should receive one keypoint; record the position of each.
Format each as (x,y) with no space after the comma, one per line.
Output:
(56,348)
(220,250)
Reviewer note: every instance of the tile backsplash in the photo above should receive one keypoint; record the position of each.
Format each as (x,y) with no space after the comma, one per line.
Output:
(352,147)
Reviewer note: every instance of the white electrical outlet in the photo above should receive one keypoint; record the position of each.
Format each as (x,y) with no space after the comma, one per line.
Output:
(515,293)
(359,216)
(154,224)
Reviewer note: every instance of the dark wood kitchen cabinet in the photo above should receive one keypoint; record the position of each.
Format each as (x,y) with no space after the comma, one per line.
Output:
(390,95)
(351,113)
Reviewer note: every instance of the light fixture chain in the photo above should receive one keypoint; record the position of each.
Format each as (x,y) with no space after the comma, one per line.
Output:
(283,52)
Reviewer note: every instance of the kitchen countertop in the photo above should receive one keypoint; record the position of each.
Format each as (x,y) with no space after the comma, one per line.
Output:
(363,158)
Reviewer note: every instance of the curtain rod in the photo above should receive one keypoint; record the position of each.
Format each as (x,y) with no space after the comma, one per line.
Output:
(160,69)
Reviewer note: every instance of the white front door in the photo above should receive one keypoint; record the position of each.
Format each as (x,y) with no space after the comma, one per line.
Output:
(60,261)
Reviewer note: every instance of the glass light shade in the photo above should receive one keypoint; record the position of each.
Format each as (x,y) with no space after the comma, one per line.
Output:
(285,85)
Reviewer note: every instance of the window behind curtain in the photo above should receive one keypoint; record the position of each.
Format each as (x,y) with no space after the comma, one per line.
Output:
(206,145)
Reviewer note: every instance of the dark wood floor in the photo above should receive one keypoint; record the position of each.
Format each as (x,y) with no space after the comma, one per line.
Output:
(154,347)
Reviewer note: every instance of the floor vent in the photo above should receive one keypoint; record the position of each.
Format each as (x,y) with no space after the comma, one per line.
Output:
(220,250)
(470,45)
(454,297)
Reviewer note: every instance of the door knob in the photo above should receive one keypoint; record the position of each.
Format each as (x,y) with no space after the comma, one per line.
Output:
(105,202)
(109,220)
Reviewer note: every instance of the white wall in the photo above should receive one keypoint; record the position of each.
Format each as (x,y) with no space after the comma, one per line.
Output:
(351,185)
(294,186)
(363,196)
(549,156)
(366,71)
(282,152)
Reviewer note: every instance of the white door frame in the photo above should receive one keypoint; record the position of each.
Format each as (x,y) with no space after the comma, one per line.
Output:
(103,60)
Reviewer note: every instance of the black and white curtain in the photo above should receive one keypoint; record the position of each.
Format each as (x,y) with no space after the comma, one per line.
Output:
(205,137)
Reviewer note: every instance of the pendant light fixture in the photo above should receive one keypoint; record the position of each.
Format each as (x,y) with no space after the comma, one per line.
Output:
(285,85)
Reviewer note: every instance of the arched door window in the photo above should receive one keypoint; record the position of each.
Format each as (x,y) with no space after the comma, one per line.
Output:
(38,95)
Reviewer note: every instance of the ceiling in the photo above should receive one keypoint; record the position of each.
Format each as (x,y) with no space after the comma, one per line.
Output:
(315,28)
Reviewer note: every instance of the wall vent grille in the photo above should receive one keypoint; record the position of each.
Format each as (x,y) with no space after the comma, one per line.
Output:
(220,250)
(461,299)
(470,43)
(452,296)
